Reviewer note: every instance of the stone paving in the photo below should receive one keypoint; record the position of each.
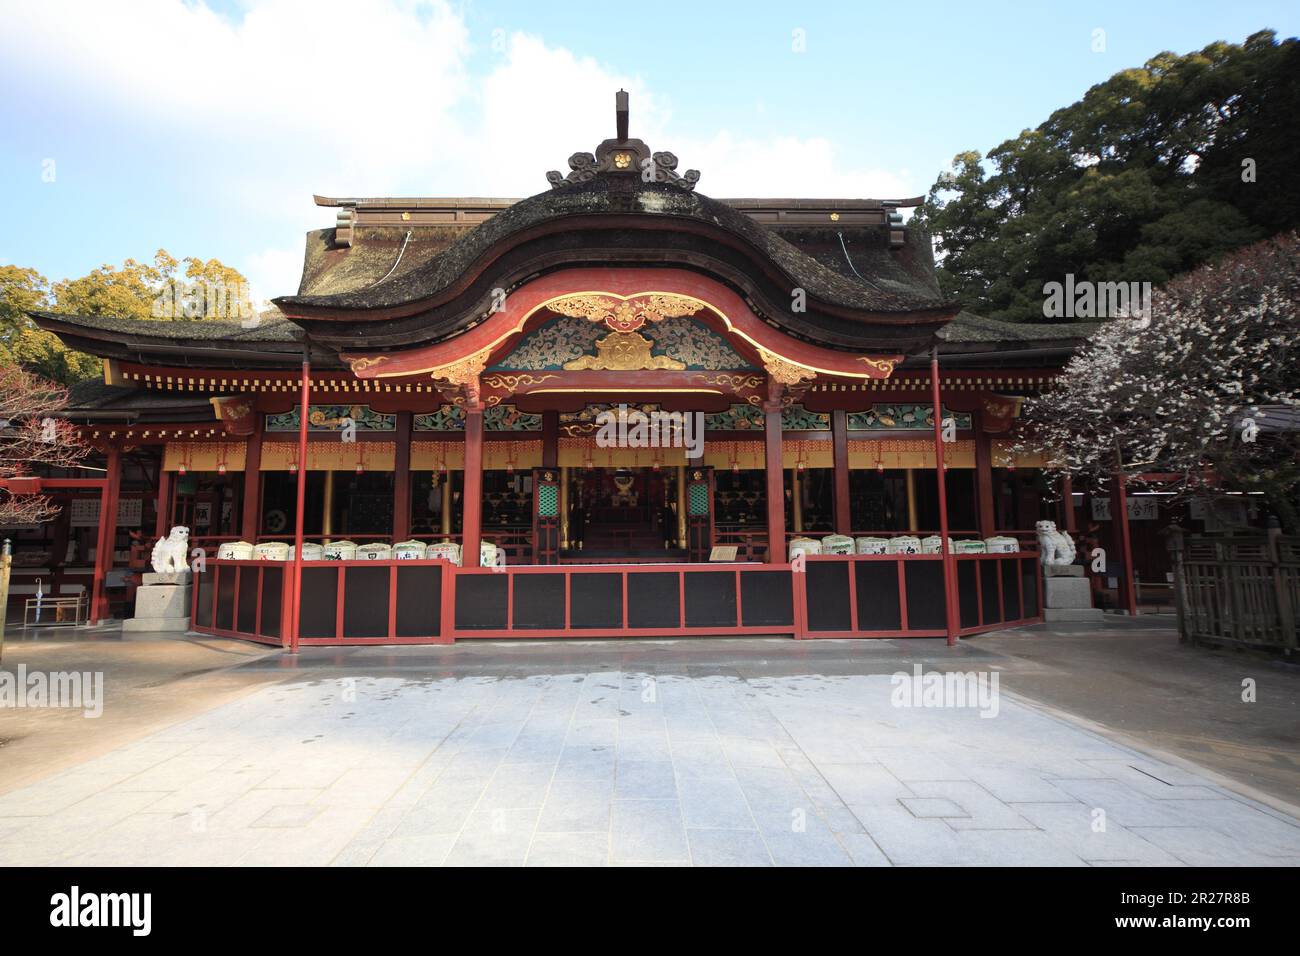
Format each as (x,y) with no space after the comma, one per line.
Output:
(613,767)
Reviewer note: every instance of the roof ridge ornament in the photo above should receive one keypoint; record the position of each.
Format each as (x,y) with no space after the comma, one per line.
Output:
(623,156)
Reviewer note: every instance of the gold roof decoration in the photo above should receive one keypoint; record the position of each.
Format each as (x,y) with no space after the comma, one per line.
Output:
(625,313)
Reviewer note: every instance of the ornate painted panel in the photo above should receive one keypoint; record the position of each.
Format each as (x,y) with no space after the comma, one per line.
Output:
(902,417)
(736,418)
(571,342)
(498,418)
(326,418)
(796,418)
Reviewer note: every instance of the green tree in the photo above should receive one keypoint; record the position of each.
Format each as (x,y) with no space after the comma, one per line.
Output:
(1150,174)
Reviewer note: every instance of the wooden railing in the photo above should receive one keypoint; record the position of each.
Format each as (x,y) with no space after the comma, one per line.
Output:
(1242,590)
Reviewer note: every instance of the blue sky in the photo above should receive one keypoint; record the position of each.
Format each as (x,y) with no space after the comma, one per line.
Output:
(206,128)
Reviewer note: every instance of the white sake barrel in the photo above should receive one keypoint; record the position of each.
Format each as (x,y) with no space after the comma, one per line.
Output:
(374,552)
(970,547)
(487,554)
(868,545)
(837,544)
(341,551)
(1002,544)
(904,544)
(804,546)
(444,551)
(408,551)
(311,551)
(272,551)
(934,545)
(236,551)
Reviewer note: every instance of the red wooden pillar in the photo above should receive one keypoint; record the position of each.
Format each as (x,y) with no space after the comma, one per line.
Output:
(402,479)
(840,450)
(107,537)
(472,495)
(984,477)
(251,523)
(1067,504)
(295,581)
(1119,512)
(949,577)
(163,508)
(550,439)
(775,475)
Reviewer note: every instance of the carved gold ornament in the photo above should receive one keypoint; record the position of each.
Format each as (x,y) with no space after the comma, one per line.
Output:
(625,313)
(783,370)
(736,381)
(359,365)
(512,382)
(885,365)
(623,352)
(622,160)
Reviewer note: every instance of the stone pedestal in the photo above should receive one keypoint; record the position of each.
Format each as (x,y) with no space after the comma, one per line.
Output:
(1067,594)
(162,604)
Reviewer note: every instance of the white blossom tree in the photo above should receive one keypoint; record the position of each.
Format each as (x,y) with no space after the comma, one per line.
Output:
(31,439)
(1206,387)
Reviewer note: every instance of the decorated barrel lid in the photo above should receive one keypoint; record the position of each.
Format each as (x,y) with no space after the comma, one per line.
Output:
(311,551)
(870,545)
(837,544)
(272,551)
(804,546)
(904,544)
(933,544)
(374,552)
(444,551)
(341,551)
(408,550)
(235,551)
(1002,544)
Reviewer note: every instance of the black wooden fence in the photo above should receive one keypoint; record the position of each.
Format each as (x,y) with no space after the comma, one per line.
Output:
(1239,589)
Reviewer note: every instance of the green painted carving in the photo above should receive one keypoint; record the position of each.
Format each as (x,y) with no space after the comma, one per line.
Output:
(448,418)
(902,417)
(498,418)
(693,344)
(736,418)
(329,418)
(548,347)
(796,418)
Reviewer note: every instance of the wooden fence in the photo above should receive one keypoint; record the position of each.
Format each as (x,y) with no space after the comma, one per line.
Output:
(1242,590)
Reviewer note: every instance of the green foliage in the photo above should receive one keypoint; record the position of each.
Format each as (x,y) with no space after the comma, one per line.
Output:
(133,290)
(1139,181)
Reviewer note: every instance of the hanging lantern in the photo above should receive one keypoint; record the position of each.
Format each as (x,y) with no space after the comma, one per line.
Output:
(221,465)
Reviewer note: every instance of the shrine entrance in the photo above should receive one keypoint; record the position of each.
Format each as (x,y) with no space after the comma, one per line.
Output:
(624,514)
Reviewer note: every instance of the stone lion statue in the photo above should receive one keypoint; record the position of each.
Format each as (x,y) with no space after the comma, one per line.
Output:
(170,554)
(1054,548)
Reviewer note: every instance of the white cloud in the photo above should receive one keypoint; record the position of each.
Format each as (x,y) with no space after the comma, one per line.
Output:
(359,97)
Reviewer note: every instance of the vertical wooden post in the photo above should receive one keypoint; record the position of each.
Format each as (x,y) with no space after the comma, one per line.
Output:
(472,496)
(949,582)
(564,507)
(163,516)
(681,508)
(913,523)
(99,609)
(796,500)
(1119,513)
(840,450)
(1067,505)
(775,474)
(402,479)
(984,478)
(251,524)
(299,516)
(551,439)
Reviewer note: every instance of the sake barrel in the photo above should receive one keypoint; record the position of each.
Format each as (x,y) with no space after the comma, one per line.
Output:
(235,551)
(408,551)
(804,546)
(311,551)
(487,554)
(374,552)
(970,547)
(933,544)
(272,551)
(837,544)
(869,545)
(1002,544)
(341,551)
(444,551)
(904,544)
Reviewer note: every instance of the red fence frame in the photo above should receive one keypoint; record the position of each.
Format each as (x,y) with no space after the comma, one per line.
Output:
(1014,615)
